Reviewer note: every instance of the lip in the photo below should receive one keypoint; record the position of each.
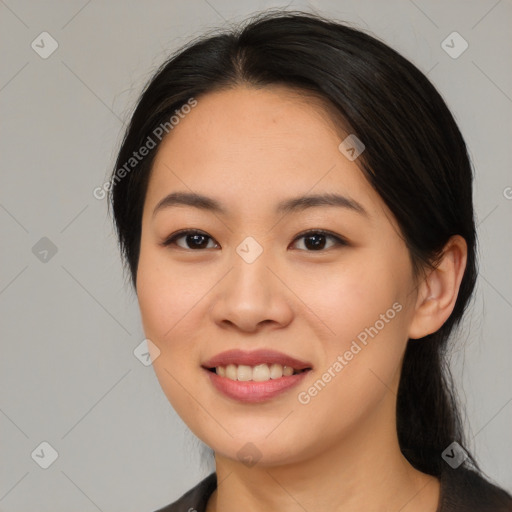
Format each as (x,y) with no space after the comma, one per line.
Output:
(252,391)
(254,358)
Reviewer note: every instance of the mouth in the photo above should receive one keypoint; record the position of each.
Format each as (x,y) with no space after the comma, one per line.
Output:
(254,376)
(258,373)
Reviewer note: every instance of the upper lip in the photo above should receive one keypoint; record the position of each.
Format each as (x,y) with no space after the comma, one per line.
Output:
(254,358)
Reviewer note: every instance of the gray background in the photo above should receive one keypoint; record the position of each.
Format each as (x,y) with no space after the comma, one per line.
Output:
(70,323)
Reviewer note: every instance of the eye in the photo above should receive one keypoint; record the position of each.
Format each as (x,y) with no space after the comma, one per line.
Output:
(315,240)
(193,238)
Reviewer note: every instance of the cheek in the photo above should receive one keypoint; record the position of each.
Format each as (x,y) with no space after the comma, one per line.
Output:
(364,314)
(168,299)
(166,307)
(172,304)
(347,299)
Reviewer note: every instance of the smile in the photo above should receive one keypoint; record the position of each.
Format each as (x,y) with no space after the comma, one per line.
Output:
(259,373)
(256,376)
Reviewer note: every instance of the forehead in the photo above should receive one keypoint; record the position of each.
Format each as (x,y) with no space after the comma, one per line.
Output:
(254,147)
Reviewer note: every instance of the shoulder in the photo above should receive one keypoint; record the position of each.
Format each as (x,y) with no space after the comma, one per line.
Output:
(465,490)
(462,490)
(195,499)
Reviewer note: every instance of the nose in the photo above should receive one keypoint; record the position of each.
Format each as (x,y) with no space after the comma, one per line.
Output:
(252,296)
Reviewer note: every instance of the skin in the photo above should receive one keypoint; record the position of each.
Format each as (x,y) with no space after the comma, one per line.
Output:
(249,149)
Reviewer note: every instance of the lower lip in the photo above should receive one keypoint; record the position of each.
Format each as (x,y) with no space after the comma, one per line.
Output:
(251,391)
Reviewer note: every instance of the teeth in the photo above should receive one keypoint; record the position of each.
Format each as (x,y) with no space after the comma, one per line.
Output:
(244,372)
(287,371)
(276,371)
(231,372)
(261,373)
(258,373)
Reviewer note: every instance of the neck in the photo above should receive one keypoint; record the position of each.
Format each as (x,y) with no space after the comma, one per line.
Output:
(365,471)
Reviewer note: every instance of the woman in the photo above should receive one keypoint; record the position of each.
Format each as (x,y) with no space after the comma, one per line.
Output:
(293,200)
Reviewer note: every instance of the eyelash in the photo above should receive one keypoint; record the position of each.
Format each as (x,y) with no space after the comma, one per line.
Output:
(339,241)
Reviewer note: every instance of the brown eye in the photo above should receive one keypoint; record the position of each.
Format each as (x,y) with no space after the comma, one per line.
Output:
(316,240)
(193,240)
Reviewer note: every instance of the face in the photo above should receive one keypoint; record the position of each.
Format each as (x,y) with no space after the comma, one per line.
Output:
(322,287)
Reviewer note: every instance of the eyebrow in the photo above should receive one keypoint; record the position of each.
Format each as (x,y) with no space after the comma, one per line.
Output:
(294,204)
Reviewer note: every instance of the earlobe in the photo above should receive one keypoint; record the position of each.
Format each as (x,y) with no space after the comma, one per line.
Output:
(438,291)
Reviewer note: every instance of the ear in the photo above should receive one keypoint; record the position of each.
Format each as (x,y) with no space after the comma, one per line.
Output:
(438,291)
